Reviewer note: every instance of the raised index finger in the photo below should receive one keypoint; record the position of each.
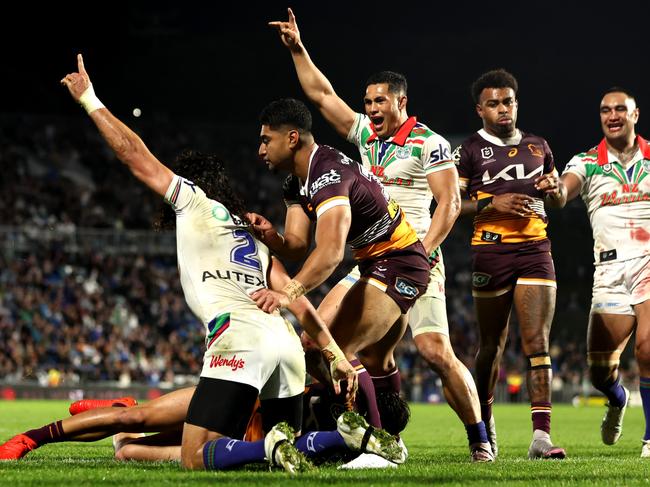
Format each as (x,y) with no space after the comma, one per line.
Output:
(292,18)
(80,64)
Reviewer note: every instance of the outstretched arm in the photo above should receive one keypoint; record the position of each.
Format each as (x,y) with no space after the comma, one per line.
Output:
(314,83)
(559,191)
(127,146)
(312,323)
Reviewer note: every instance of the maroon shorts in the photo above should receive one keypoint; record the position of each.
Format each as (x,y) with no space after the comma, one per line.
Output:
(497,269)
(402,274)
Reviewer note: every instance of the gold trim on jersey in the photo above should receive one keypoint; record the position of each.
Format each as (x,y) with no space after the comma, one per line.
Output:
(513,229)
(491,294)
(532,281)
(403,236)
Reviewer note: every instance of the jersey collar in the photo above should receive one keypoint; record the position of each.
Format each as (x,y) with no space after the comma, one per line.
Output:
(603,157)
(400,137)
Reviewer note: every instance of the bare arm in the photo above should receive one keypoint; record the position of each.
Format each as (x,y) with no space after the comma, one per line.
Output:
(316,86)
(295,242)
(331,233)
(444,186)
(315,327)
(560,191)
(126,144)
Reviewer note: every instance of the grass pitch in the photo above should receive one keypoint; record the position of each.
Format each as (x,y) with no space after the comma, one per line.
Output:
(435,438)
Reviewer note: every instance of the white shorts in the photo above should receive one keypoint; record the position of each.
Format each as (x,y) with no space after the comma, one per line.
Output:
(429,313)
(261,350)
(620,285)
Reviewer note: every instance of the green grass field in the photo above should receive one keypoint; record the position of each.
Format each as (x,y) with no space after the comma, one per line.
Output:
(435,438)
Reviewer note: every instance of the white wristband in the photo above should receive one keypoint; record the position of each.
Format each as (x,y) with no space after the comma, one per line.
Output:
(89,100)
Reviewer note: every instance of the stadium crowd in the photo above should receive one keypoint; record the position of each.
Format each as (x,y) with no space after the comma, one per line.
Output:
(104,312)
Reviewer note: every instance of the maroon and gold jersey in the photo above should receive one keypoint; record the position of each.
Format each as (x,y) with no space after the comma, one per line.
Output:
(489,166)
(378,225)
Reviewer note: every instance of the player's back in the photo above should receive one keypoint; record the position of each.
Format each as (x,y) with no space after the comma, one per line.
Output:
(220,262)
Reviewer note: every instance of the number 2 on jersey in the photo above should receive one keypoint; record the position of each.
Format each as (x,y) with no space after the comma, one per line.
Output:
(246,252)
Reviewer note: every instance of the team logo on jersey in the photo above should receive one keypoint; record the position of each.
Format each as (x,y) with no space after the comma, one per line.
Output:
(646,165)
(535,150)
(418,130)
(345,159)
(327,179)
(513,152)
(406,288)
(480,279)
(487,152)
(403,152)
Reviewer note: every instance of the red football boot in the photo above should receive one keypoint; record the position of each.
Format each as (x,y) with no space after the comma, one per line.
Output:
(17,447)
(87,404)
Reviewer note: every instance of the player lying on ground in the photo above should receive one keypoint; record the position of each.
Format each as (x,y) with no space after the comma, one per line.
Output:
(95,419)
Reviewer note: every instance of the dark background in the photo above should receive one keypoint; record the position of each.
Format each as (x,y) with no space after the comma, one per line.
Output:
(219,62)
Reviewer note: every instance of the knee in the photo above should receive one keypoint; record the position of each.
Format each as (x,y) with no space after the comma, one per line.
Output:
(436,350)
(131,419)
(123,454)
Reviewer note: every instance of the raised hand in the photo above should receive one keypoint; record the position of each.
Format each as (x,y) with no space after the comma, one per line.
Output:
(77,83)
(289,33)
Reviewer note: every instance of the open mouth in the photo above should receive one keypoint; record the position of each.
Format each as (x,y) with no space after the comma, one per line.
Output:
(614,127)
(378,122)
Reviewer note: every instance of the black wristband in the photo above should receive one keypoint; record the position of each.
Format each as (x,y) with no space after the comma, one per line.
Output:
(482,203)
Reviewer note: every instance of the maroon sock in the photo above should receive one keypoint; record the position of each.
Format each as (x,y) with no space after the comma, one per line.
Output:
(486,408)
(50,433)
(391,382)
(541,415)
(366,398)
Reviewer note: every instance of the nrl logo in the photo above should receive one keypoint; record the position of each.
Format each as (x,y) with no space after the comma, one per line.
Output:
(487,152)
(607,167)
(403,152)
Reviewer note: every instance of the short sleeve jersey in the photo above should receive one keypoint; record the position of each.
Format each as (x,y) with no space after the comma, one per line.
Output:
(378,225)
(617,197)
(219,261)
(403,162)
(489,166)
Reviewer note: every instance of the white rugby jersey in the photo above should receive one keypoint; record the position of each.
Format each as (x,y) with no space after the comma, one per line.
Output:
(617,199)
(219,261)
(402,163)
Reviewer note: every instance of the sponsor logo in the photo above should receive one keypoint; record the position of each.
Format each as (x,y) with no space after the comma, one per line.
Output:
(233,276)
(219,212)
(490,237)
(513,152)
(324,180)
(487,162)
(456,155)
(381,269)
(310,441)
(607,255)
(512,172)
(487,152)
(230,444)
(403,152)
(535,150)
(613,198)
(406,288)
(480,279)
(440,154)
(233,363)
